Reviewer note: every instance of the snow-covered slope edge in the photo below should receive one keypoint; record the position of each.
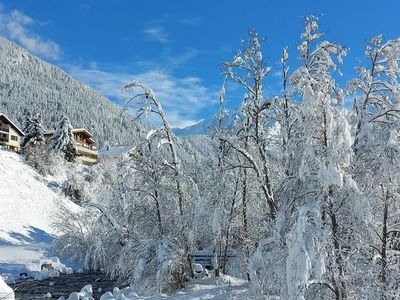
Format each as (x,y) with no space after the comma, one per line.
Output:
(28,209)
(27,205)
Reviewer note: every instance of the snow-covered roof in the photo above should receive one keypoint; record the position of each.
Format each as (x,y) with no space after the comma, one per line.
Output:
(82,130)
(75,130)
(11,123)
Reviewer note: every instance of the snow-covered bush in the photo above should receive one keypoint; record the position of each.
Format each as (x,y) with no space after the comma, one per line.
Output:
(157,266)
(79,183)
(74,188)
(268,268)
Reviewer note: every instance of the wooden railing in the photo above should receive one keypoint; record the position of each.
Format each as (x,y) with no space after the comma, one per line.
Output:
(84,149)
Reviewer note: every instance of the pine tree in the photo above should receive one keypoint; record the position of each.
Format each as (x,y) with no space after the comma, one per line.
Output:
(63,140)
(26,121)
(33,144)
(34,132)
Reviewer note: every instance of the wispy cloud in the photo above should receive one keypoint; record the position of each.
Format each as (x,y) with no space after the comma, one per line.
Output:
(168,59)
(157,33)
(183,98)
(193,20)
(16,26)
(277,74)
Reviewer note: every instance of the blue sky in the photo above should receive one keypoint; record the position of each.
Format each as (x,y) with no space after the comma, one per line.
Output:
(177,47)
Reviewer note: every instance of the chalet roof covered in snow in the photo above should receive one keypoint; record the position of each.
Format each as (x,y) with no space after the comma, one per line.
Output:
(82,131)
(85,133)
(5,119)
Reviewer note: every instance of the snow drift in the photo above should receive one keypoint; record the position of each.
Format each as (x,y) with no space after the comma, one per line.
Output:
(6,293)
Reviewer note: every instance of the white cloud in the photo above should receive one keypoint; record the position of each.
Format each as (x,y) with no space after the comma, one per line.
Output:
(183,99)
(157,33)
(16,26)
(277,74)
(193,20)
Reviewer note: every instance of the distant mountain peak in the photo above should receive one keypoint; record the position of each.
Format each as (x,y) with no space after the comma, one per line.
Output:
(203,127)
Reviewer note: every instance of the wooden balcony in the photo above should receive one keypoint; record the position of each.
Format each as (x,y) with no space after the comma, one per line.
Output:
(86,150)
(5,130)
(87,155)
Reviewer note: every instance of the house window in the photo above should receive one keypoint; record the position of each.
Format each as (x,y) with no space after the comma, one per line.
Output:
(14,138)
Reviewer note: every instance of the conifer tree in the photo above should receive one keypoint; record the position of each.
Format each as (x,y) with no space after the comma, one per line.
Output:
(34,132)
(63,141)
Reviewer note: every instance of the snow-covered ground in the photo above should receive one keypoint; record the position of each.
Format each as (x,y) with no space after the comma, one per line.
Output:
(28,209)
(224,287)
(6,293)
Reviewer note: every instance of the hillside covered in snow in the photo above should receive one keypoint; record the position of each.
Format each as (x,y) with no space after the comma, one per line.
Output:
(28,83)
(28,209)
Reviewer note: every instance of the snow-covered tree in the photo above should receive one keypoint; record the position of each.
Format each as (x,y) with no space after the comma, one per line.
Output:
(144,205)
(33,132)
(248,70)
(308,228)
(247,155)
(33,144)
(150,104)
(325,156)
(62,141)
(377,88)
(376,165)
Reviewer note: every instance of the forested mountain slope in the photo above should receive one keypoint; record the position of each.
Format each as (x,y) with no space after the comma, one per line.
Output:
(28,83)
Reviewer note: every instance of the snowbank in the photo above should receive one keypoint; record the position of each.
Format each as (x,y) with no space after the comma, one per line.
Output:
(86,293)
(223,287)
(117,294)
(49,267)
(6,293)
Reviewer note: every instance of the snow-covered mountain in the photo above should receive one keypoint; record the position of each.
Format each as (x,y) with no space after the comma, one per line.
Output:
(203,127)
(199,128)
(28,83)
